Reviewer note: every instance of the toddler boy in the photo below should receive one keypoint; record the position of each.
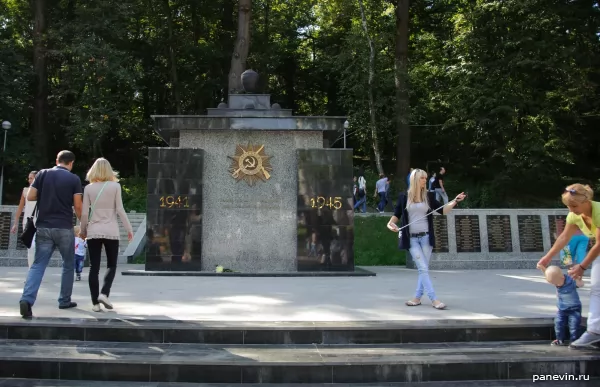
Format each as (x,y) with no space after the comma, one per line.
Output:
(80,246)
(568,316)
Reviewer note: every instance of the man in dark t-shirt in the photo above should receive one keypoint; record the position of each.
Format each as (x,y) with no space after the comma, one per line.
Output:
(57,191)
(438,185)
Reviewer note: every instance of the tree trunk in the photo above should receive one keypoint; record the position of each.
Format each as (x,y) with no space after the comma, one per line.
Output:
(240,51)
(372,113)
(401,78)
(40,99)
(172,58)
(264,76)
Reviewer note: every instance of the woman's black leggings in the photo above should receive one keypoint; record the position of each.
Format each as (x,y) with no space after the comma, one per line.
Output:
(111,246)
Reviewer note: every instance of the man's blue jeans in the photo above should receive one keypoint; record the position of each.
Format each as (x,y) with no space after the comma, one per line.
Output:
(46,240)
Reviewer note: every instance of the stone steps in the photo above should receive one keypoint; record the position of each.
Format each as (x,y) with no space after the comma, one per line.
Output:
(477,383)
(224,363)
(121,351)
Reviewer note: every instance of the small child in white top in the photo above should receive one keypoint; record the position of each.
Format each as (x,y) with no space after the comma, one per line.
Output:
(80,246)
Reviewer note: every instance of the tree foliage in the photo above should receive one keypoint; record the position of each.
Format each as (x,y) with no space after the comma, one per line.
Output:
(502,93)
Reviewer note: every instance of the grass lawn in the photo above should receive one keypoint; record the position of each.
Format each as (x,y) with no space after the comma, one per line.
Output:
(374,244)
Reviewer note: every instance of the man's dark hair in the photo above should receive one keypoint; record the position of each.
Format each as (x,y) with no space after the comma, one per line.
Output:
(65,157)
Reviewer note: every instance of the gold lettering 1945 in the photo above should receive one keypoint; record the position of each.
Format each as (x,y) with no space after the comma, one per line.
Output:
(174,201)
(321,201)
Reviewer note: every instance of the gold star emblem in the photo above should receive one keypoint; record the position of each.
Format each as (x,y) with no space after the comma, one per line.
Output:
(250,165)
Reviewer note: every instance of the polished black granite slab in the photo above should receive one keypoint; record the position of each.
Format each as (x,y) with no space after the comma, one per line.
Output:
(174,209)
(325,215)
(215,332)
(359,272)
(155,362)
(462,383)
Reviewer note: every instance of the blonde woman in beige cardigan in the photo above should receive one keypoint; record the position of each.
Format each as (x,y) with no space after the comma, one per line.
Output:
(101,203)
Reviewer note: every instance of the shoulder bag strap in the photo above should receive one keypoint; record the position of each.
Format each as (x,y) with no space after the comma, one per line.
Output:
(95,201)
(36,210)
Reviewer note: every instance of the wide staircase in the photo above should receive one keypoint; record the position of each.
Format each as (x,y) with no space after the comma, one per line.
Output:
(128,353)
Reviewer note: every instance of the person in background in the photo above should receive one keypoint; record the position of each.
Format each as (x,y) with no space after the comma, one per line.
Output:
(28,206)
(103,197)
(438,185)
(362,193)
(431,181)
(80,246)
(381,187)
(60,192)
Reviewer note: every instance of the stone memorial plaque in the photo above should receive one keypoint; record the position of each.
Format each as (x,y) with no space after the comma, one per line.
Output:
(556,225)
(499,235)
(174,215)
(440,228)
(530,233)
(5,219)
(325,214)
(468,239)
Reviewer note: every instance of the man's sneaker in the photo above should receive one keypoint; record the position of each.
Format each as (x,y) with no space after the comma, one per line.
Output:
(68,306)
(97,308)
(25,309)
(587,340)
(78,277)
(104,301)
(557,342)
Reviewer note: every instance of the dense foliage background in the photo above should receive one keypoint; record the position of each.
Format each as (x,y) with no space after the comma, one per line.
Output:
(503,93)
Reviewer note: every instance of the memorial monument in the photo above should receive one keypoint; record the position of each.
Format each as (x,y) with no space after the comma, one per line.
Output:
(249,187)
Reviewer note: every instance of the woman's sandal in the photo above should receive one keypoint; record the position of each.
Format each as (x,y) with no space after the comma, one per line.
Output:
(439,306)
(412,303)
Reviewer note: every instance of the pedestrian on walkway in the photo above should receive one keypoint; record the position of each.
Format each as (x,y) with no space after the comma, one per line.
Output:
(414,210)
(584,215)
(103,201)
(57,192)
(26,208)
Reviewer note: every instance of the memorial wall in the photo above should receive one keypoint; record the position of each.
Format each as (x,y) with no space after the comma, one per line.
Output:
(494,238)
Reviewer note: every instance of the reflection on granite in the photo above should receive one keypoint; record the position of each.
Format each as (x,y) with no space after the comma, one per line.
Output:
(325,210)
(174,209)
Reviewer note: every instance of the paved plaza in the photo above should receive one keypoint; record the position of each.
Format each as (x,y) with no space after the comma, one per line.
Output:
(481,294)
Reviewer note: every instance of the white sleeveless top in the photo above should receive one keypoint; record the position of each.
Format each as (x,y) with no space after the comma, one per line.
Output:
(29,205)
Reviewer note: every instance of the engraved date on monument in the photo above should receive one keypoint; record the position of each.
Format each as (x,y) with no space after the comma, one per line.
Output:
(322,201)
(174,202)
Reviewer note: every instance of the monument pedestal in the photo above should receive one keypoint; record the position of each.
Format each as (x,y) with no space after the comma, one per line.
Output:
(250,188)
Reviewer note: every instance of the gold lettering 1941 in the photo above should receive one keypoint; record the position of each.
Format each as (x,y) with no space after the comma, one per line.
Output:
(174,201)
(321,201)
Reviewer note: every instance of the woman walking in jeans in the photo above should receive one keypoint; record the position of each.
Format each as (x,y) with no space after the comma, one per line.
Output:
(418,238)
(101,203)
(584,215)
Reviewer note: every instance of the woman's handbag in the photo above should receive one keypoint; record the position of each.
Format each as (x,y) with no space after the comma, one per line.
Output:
(30,229)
